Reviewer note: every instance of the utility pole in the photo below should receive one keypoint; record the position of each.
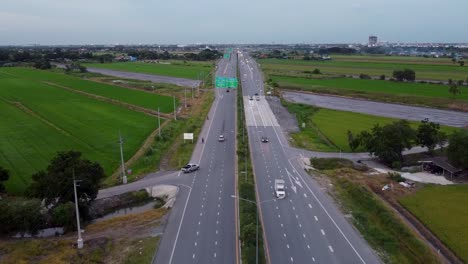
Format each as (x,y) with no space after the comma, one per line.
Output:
(159,123)
(175,111)
(79,242)
(124,177)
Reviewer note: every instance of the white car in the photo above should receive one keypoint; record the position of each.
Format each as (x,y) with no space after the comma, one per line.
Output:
(280,192)
(221,138)
(190,167)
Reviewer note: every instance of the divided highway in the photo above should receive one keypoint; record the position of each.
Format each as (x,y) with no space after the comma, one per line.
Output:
(203,227)
(306,226)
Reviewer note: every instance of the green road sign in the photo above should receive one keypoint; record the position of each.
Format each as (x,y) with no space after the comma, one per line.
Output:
(226,82)
(232,82)
(227,55)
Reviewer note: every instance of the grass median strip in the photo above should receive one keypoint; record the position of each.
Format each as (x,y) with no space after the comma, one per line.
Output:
(246,185)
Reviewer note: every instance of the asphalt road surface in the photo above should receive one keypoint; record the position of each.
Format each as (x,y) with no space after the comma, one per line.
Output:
(306,226)
(203,227)
(147,77)
(443,117)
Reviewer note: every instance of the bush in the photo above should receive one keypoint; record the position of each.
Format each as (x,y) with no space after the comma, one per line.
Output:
(396,164)
(330,163)
(395,176)
(382,77)
(316,71)
(364,76)
(21,215)
(64,215)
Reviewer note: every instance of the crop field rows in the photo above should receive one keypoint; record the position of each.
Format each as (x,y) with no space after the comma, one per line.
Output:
(40,119)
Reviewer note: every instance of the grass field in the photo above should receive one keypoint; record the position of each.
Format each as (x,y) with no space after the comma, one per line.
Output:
(326,129)
(38,120)
(375,66)
(370,86)
(443,209)
(189,70)
(134,97)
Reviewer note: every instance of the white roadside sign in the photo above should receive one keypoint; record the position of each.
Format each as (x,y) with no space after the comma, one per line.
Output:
(188,136)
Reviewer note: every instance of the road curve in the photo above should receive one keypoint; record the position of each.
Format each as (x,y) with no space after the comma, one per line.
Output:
(443,117)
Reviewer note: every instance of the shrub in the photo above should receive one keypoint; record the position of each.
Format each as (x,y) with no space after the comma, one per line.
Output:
(21,215)
(395,176)
(382,77)
(64,215)
(330,163)
(316,71)
(364,76)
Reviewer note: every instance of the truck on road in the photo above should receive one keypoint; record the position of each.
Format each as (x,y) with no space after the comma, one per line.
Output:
(280,192)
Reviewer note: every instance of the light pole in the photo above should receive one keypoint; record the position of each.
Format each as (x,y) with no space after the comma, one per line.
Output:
(124,177)
(79,242)
(257,205)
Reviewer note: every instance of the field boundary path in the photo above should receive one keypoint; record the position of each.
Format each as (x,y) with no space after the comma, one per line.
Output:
(443,117)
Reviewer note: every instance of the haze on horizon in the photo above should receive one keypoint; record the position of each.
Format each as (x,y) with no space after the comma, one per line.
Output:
(46,22)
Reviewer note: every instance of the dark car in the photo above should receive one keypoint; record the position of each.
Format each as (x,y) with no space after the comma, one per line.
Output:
(265,140)
(256,94)
(190,167)
(227,90)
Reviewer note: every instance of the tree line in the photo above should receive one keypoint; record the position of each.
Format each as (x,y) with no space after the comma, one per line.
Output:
(388,142)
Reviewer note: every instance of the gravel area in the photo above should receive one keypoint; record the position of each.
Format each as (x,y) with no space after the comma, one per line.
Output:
(286,120)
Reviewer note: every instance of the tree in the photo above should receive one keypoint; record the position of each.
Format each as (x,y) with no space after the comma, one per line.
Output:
(42,64)
(429,135)
(404,75)
(462,63)
(460,82)
(388,142)
(55,184)
(457,150)
(450,81)
(353,141)
(306,57)
(454,89)
(4,176)
(316,71)
(382,77)
(398,75)
(364,76)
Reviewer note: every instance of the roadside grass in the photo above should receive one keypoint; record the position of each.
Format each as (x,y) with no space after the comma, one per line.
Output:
(425,70)
(134,97)
(326,129)
(38,120)
(246,190)
(443,210)
(142,250)
(180,69)
(425,90)
(378,224)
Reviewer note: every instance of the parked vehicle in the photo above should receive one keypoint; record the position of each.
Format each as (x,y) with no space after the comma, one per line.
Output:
(190,167)
(280,192)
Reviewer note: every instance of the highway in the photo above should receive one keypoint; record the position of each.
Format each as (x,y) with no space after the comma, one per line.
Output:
(306,226)
(203,223)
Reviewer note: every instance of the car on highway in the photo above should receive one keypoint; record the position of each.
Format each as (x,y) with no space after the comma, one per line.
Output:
(221,138)
(265,140)
(227,90)
(256,94)
(190,167)
(280,192)
(257,98)
(251,98)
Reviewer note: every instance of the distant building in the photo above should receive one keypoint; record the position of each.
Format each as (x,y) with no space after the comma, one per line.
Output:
(373,40)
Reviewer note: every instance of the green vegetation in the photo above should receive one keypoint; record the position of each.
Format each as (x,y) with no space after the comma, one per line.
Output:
(426,69)
(330,163)
(384,231)
(134,97)
(246,190)
(142,250)
(180,69)
(443,210)
(326,129)
(333,85)
(39,119)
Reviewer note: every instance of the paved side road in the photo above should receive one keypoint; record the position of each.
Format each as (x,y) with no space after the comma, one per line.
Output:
(147,77)
(443,117)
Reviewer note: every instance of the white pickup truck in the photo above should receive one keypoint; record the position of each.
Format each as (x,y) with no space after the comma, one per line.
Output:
(280,192)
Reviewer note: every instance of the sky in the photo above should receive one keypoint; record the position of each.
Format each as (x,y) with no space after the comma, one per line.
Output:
(63,22)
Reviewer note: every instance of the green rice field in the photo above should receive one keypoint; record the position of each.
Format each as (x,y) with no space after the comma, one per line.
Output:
(426,69)
(189,70)
(443,210)
(39,119)
(368,86)
(134,97)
